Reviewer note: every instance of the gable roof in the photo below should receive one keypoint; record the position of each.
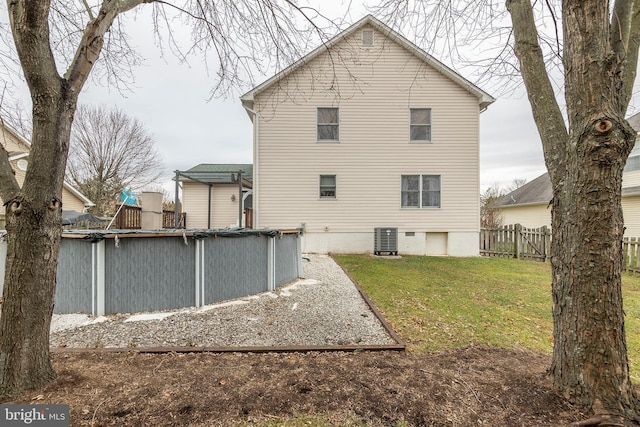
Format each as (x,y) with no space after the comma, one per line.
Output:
(534,192)
(78,194)
(24,154)
(484,99)
(539,192)
(210,173)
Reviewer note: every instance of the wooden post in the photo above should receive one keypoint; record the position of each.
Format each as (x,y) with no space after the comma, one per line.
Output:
(176,200)
(516,239)
(545,234)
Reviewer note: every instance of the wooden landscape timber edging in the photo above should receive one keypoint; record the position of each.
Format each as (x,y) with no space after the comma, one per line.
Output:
(254,349)
(376,312)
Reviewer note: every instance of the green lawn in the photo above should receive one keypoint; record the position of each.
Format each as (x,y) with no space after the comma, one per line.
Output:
(442,303)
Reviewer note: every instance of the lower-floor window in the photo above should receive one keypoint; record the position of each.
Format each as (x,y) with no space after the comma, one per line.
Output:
(420,191)
(327,186)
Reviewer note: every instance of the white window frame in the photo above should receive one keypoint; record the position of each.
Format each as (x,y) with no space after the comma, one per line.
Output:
(428,126)
(332,124)
(328,187)
(420,192)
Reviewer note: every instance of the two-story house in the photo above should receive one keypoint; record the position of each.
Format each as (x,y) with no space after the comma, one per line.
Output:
(368,131)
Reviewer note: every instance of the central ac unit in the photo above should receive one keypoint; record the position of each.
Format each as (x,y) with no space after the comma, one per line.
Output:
(385,240)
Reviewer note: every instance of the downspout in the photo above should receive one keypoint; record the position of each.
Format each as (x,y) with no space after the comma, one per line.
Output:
(256,167)
(240,199)
(209,210)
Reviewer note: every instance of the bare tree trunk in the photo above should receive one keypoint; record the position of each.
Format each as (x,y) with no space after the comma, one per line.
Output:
(585,164)
(590,364)
(34,212)
(33,237)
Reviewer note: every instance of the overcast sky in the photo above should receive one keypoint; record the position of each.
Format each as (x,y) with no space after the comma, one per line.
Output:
(171,100)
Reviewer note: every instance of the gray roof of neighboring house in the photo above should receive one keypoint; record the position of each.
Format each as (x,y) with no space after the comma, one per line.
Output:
(634,121)
(534,192)
(539,190)
(218,173)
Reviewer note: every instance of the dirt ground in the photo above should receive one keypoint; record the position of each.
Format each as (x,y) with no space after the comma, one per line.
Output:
(466,387)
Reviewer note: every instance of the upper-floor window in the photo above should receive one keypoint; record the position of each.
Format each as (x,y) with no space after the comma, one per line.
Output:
(328,124)
(633,162)
(327,186)
(420,191)
(420,128)
(367,38)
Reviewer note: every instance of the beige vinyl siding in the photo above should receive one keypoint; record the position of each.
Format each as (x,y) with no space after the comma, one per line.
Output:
(531,216)
(374,148)
(534,216)
(71,202)
(194,202)
(18,173)
(224,211)
(631,179)
(11,143)
(631,212)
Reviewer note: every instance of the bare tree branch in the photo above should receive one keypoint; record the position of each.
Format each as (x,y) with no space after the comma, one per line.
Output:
(544,105)
(92,40)
(625,27)
(110,151)
(33,48)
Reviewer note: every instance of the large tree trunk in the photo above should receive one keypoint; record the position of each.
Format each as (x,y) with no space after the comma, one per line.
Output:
(590,355)
(585,165)
(33,238)
(33,213)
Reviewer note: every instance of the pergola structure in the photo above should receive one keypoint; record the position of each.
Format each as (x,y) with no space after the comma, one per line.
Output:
(209,178)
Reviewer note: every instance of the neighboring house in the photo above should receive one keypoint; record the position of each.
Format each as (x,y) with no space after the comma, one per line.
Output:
(529,204)
(18,148)
(369,131)
(211,194)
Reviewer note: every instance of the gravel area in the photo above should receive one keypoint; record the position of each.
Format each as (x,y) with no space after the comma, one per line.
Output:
(324,308)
